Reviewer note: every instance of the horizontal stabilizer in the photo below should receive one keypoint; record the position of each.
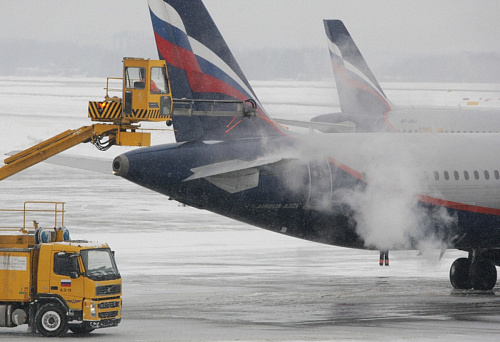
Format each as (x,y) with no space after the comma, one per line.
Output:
(231,166)
(100,165)
(342,127)
(234,175)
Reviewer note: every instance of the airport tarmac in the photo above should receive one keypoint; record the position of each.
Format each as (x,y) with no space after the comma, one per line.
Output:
(190,275)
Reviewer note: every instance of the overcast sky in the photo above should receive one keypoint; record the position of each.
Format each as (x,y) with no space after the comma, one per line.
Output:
(379,27)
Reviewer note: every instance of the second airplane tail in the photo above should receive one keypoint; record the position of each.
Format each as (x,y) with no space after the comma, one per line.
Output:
(201,67)
(359,91)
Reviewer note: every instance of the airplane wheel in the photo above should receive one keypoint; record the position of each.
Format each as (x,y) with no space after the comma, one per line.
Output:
(483,274)
(459,274)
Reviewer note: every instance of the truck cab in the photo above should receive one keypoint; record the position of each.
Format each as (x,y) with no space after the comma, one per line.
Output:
(83,279)
(54,283)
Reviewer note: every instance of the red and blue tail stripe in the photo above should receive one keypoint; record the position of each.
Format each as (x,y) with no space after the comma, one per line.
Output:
(201,66)
(359,91)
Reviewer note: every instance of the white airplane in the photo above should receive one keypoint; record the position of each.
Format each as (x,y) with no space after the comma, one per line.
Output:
(375,190)
(381,191)
(366,108)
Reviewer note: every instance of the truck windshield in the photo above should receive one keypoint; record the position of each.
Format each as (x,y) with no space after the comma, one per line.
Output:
(99,264)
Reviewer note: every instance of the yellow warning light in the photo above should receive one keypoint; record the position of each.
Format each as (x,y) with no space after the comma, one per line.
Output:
(102,105)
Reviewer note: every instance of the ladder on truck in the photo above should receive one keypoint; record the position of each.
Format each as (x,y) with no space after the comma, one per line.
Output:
(146,96)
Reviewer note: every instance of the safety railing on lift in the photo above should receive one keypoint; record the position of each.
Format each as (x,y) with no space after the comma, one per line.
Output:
(30,207)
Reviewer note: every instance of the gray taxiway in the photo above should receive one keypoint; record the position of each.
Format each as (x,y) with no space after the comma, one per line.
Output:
(189,275)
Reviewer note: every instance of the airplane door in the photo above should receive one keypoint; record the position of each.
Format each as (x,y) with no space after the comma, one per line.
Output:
(320,184)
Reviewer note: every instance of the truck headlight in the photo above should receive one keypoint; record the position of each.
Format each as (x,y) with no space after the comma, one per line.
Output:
(93,312)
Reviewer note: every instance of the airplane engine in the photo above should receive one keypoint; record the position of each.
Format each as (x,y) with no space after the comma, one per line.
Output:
(320,184)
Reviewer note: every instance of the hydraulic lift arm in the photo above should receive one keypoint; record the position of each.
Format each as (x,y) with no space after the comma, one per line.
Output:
(61,142)
(146,96)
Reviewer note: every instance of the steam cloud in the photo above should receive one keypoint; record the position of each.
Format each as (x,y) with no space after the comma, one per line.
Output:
(387,209)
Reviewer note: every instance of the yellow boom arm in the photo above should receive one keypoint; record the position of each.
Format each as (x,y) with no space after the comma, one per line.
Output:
(146,96)
(70,138)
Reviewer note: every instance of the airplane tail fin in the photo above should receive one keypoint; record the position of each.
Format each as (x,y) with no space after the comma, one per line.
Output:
(359,91)
(202,67)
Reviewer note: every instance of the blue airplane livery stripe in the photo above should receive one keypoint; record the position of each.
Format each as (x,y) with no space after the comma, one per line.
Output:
(169,32)
(179,38)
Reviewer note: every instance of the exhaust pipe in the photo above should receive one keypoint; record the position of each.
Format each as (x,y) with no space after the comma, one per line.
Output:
(120,166)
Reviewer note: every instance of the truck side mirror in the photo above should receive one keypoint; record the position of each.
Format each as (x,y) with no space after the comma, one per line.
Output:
(74,274)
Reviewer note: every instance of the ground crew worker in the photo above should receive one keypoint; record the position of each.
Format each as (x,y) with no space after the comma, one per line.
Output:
(384,258)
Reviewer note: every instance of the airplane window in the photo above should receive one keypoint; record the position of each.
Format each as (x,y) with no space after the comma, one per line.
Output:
(486,174)
(436,175)
(497,175)
(455,173)
(466,175)
(476,174)
(446,175)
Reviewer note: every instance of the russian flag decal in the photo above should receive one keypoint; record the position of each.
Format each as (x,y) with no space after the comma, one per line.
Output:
(65,282)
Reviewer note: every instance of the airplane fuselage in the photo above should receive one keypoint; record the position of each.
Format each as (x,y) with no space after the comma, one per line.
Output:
(415,120)
(303,194)
(444,120)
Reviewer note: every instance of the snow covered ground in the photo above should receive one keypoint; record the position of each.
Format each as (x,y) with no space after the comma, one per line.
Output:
(190,275)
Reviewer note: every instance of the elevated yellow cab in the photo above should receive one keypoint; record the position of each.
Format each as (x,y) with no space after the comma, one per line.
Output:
(145,95)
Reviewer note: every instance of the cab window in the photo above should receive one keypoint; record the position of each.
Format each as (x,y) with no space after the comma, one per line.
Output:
(159,83)
(135,78)
(64,264)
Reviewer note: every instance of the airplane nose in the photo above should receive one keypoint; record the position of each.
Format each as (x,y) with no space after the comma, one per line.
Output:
(121,166)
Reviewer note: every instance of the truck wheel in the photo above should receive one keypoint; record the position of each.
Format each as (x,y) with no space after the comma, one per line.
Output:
(77,329)
(51,321)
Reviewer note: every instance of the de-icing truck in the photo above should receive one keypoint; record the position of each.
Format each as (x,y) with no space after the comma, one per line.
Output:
(53,283)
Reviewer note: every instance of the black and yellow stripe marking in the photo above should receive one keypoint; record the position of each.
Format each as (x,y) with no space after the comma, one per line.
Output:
(111,112)
(148,114)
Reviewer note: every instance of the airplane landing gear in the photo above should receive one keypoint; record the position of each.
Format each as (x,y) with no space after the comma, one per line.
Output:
(474,272)
(483,274)
(459,274)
